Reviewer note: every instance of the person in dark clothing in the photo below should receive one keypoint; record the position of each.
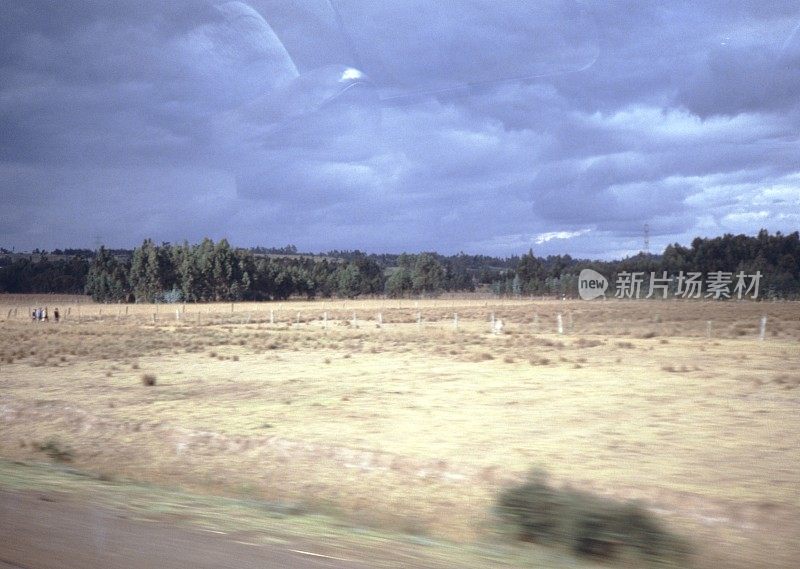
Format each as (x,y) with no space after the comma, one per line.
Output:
(55,315)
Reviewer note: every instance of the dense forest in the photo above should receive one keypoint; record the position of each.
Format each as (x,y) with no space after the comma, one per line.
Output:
(211,271)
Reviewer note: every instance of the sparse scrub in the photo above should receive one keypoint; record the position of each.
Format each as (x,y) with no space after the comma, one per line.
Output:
(787,381)
(148,379)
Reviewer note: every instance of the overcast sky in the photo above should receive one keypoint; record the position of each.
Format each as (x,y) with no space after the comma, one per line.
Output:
(488,126)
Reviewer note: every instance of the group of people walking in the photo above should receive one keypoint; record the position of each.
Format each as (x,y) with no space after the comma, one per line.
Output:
(40,315)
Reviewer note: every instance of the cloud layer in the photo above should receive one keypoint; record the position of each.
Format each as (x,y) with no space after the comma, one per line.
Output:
(485,127)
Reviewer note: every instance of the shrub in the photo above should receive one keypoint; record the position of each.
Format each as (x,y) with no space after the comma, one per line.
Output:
(587,524)
(54,450)
(148,379)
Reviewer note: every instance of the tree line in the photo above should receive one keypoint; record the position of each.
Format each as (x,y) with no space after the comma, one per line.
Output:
(211,271)
(215,271)
(776,257)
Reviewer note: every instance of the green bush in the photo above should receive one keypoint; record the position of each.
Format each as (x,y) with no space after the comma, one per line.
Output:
(587,524)
(535,508)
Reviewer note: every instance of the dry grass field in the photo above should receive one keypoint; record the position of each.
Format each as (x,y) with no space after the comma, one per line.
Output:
(388,414)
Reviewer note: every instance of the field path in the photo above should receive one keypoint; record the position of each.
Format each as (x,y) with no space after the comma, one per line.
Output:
(42,531)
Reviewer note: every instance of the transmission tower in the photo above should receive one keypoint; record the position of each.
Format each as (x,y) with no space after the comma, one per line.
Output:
(646,239)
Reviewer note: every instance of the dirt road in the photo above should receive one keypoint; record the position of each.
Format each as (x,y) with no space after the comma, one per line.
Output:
(42,531)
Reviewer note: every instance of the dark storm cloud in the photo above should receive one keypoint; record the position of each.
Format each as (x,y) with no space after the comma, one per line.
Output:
(486,126)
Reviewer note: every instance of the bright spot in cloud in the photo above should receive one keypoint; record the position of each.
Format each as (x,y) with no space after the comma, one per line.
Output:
(350,74)
(550,235)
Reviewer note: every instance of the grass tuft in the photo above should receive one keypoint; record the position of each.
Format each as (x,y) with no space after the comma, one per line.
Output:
(57,452)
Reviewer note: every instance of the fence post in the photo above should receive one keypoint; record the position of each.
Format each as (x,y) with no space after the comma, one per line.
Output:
(560,323)
(763,328)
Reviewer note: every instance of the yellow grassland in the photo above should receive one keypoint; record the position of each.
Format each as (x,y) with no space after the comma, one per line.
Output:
(416,424)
